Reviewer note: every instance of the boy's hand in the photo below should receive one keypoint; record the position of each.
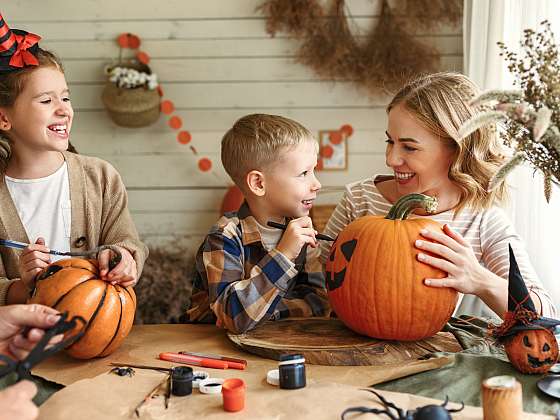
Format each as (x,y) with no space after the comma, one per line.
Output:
(124,273)
(31,261)
(298,233)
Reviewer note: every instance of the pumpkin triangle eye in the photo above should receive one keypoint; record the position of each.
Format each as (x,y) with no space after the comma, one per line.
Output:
(546,347)
(348,248)
(526,341)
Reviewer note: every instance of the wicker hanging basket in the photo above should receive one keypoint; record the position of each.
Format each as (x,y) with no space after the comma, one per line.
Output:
(131,107)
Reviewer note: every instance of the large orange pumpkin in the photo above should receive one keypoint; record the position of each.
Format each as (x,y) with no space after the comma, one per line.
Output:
(375,282)
(73,285)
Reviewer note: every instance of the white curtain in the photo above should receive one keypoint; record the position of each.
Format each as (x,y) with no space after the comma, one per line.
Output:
(485,23)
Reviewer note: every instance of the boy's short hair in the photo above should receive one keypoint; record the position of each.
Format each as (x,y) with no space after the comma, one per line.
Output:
(255,142)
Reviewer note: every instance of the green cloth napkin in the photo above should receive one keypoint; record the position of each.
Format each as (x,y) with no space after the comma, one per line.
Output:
(44,388)
(461,380)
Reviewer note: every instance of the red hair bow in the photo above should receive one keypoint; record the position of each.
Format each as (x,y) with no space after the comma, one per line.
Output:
(21,56)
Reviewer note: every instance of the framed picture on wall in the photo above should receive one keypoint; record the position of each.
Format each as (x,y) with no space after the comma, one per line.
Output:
(333,150)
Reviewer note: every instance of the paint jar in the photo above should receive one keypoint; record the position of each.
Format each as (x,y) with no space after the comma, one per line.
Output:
(181,381)
(291,370)
(233,394)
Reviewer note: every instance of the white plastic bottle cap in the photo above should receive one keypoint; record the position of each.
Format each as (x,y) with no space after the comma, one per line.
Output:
(211,385)
(199,375)
(273,377)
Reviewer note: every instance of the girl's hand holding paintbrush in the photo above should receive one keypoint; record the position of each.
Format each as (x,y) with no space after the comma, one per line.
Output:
(298,233)
(32,260)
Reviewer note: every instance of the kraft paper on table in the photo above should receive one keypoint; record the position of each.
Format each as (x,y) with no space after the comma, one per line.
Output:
(113,397)
(95,393)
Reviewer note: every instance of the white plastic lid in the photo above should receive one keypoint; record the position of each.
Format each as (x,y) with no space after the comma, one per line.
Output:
(273,377)
(211,385)
(198,376)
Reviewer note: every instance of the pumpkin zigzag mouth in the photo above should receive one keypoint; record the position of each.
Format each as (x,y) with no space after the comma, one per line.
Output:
(535,362)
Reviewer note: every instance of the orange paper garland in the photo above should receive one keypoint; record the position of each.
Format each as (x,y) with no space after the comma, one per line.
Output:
(128,40)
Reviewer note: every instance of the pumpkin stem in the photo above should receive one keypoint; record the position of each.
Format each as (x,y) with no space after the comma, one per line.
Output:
(404,205)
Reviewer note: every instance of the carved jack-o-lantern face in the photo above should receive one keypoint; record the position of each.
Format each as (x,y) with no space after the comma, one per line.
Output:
(532,351)
(335,278)
(375,281)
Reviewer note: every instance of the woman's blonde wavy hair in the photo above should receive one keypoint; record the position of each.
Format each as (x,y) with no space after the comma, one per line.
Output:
(440,102)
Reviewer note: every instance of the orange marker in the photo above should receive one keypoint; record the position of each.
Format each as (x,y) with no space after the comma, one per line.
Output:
(193,360)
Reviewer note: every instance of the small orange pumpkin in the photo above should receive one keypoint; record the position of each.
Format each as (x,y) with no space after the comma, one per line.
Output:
(375,282)
(532,351)
(527,337)
(74,285)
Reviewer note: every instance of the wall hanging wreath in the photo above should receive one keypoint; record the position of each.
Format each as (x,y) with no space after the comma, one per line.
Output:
(388,54)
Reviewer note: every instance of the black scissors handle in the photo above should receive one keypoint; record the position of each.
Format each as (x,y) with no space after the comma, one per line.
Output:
(40,352)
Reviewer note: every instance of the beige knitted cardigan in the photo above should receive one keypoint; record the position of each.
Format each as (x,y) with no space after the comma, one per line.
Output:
(100,216)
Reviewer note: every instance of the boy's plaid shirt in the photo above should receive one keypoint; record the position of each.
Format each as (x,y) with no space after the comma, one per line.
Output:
(239,284)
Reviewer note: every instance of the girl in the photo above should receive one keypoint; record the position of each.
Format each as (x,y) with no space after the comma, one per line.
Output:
(423,121)
(49,196)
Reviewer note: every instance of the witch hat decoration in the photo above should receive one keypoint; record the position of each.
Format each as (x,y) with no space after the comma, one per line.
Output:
(527,337)
(521,308)
(517,290)
(18,48)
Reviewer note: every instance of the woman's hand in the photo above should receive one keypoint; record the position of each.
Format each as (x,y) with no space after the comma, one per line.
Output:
(15,319)
(16,402)
(457,259)
(31,261)
(124,273)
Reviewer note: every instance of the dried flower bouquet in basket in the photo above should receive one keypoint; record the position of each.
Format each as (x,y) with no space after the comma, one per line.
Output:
(131,94)
(530,115)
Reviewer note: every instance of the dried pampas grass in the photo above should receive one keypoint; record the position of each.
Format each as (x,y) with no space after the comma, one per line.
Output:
(387,58)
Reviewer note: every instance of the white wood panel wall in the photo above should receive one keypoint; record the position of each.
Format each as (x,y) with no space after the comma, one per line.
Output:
(217,63)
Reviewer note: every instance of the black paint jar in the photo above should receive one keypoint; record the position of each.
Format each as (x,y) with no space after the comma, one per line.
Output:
(291,370)
(181,381)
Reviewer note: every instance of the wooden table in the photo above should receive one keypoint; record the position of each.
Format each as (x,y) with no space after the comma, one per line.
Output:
(331,389)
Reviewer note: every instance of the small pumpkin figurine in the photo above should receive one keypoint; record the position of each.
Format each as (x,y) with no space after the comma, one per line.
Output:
(74,285)
(375,282)
(528,340)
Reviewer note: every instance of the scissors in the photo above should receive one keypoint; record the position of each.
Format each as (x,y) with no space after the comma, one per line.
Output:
(40,352)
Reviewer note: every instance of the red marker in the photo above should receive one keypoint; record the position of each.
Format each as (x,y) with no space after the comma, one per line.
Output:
(193,360)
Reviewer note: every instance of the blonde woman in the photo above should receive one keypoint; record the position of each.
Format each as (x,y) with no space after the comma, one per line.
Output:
(423,120)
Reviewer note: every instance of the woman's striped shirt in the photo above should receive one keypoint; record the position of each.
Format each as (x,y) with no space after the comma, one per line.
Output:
(489,232)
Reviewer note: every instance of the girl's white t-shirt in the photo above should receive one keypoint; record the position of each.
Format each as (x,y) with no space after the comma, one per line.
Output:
(43,205)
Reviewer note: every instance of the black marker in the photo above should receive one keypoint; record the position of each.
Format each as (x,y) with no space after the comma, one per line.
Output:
(283,227)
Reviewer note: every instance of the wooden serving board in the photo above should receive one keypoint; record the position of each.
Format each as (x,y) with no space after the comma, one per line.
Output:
(330,342)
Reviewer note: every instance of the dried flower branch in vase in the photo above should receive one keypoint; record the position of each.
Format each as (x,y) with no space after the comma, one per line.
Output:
(530,115)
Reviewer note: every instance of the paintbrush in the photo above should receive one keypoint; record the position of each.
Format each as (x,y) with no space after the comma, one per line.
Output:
(21,245)
(158,368)
(283,227)
(149,396)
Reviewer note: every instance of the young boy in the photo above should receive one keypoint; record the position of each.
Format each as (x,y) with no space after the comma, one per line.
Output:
(247,272)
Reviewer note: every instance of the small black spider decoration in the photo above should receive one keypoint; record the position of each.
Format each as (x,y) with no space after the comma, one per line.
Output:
(428,412)
(123,371)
